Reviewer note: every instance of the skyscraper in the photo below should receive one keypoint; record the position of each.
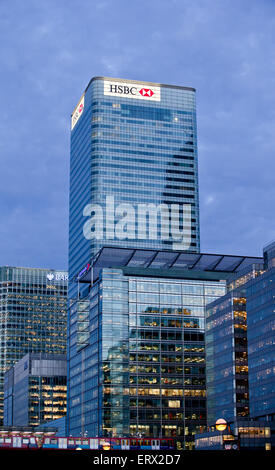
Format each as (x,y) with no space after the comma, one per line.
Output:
(33,315)
(138,284)
(134,175)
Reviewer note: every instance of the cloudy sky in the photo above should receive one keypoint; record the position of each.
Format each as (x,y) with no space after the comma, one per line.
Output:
(49,51)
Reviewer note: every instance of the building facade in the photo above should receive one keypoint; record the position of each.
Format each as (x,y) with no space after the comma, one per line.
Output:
(136,350)
(240,358)
(35,390)
(227,352)
(240,350)
(33,315)
(239,435)
(58,424)
(226,358)
(261,344)
(134,171)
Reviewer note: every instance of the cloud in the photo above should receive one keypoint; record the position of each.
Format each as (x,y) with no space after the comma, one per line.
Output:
(224,49)
(209,200)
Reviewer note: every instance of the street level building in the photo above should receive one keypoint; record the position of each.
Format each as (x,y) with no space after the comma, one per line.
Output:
(136,346)
(238,435)
(261,340)
(33,315)
(226,351)
(35,390)
(240,350)
(58,424)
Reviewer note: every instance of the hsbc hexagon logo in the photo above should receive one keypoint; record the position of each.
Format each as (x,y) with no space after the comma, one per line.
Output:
(146,92)
(77,112)
(132,90)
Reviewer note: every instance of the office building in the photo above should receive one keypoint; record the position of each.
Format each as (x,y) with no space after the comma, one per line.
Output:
(239,435)
(136,346)
(260,294)
(58,424)
(226,350)
(134,169)
(33,315)
(240,349)
(35,390)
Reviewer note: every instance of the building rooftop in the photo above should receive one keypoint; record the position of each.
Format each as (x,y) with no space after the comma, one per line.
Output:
(127,80)
(114,257)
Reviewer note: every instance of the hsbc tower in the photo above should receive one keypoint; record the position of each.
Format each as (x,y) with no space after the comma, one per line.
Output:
(138,284)
(134,169)
(134,196)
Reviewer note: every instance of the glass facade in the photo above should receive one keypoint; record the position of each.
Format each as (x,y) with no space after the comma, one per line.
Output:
(137,357)
(33,315)
(261,344)
(35,390)
(228,321)
(136,350)
(269,255)
(240,435)
(138,152)
(240,350)
(226,358)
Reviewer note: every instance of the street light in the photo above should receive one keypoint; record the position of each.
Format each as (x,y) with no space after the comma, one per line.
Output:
(106,445)
(221,424)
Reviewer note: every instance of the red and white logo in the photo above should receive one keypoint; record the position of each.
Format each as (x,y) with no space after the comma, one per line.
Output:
(146,92)
(138,91)
(77,112)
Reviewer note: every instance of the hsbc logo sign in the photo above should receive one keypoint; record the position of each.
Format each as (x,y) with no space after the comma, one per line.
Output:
(146,92)
(77,112)
(132,90)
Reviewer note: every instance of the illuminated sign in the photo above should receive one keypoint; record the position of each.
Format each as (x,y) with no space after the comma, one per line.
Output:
(83,271)
(58,276)
(234,446)
(132,90)
(77,112)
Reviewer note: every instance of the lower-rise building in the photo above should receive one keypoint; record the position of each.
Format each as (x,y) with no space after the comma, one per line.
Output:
(33,315)
(238,435)
(240,348)
(35,390)
(227,352)
(58,424)
(261,340)
(136,347)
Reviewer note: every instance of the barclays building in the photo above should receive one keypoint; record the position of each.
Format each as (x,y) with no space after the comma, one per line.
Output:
(33,316)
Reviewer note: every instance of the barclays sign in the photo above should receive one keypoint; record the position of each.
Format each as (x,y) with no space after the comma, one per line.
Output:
(57,276)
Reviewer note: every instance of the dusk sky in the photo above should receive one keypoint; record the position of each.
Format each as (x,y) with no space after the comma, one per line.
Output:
(51,49)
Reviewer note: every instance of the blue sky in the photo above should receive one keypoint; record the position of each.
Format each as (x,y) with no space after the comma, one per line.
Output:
(49,51)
